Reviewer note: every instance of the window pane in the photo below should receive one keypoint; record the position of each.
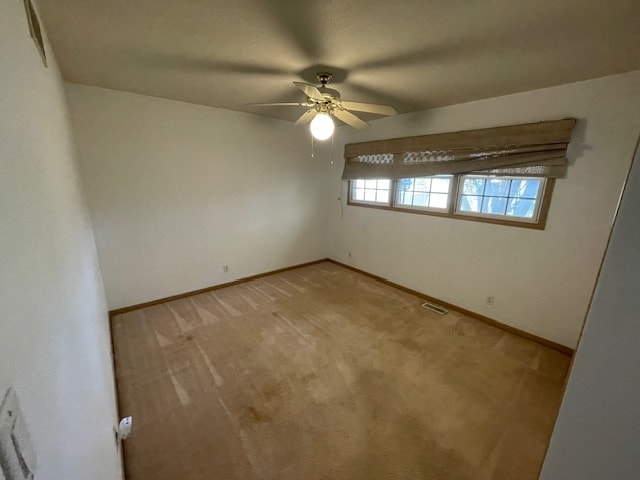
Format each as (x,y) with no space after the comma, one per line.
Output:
(519,207)
(374,190)
(494,205)
(370,195)
(421,199)
(440,185)
(500,196)
(497,187)
(473,186)
(384,184)
(419,192)
(405,184)
(470,203)
(405,198)
(422,184)
(525,188)
(438,200)
(382,196)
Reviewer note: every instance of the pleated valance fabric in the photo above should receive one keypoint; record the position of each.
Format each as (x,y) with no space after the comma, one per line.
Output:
(532,149)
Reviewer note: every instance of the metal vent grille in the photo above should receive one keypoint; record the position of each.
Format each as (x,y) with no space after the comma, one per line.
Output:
(435,308)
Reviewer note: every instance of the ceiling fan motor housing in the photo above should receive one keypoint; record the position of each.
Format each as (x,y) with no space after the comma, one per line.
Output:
(329,92)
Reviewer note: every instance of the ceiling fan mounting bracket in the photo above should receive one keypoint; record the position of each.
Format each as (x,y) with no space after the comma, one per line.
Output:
(324,77)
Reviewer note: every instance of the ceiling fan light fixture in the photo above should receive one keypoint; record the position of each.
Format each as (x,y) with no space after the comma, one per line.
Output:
(322,126)
(324,103)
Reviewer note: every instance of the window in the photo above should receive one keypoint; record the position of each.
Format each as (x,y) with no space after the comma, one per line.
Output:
(429,193)
(500,197)
(520,201)
(376,191)
(501,174)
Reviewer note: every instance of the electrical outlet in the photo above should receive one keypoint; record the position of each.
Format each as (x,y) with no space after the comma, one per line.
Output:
(225,268)
(490,300)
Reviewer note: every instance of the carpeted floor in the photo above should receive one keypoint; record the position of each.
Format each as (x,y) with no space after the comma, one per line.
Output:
(321,373)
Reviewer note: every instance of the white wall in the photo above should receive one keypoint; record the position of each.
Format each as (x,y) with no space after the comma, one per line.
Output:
(541,280)
(54,340)
(178,190)
(597,434)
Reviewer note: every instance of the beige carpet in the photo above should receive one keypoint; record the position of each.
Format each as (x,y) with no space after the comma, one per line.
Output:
(323,373)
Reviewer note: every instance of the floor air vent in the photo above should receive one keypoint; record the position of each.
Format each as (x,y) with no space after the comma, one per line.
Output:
(435,308)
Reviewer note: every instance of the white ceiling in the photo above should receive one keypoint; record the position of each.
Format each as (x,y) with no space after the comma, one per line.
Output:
(412,54)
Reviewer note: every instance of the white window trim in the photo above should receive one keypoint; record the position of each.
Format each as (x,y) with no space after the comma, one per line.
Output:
(534,219)
(452,211)
(396,192)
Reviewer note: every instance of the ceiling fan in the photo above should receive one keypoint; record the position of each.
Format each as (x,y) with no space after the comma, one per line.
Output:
(323,103)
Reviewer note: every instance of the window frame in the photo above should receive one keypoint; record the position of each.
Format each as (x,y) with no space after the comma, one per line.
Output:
(376,189)
(453,203)
(395,192)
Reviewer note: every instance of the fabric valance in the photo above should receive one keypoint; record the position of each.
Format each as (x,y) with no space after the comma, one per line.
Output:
(532,149)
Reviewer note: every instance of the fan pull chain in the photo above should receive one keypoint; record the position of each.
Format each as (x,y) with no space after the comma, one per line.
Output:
(341,197)
(312,154)
(332,149)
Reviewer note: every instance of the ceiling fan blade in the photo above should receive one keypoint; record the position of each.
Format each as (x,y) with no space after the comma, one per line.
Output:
(370,108)
(306,117)
(350,119)
(289,104)
(310,91)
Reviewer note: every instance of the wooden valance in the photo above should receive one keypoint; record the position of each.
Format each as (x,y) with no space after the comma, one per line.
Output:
(532,149)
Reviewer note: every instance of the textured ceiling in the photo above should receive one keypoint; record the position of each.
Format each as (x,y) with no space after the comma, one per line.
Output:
(412,54)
